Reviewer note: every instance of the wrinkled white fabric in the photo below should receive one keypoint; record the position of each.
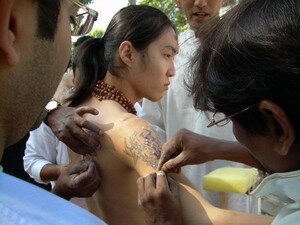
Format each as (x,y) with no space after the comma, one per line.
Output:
(283,189)
(22,203)
(43,147)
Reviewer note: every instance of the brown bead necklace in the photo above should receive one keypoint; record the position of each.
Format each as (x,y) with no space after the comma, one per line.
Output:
(104,91)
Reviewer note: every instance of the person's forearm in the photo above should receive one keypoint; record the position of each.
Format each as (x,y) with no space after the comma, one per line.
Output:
(234,151)
(50,172)
(227,217)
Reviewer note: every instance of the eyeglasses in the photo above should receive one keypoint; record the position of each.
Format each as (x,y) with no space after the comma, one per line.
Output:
(83,22)
(220,121)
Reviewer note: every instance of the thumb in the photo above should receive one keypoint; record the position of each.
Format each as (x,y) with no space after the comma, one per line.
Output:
(172,165)
(80,167)
(160,164)
(169,151)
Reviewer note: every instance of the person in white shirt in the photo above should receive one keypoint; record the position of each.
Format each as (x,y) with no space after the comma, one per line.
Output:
(43,148)
(175,110)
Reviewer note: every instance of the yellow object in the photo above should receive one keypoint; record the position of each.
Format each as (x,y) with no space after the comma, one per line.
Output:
(231,179)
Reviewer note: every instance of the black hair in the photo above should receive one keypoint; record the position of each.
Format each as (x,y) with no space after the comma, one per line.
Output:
(250,54)
(139,24)
(81,39)
(75,57)
(88,60)
(48,12)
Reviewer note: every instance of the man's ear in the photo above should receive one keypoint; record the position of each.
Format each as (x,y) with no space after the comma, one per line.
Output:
(8,51)
(125,52)
(279,125)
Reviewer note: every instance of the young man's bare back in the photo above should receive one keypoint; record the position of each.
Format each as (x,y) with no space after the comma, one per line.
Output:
(130,148)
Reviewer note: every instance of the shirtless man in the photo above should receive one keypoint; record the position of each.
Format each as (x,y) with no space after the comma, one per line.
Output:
(137,64)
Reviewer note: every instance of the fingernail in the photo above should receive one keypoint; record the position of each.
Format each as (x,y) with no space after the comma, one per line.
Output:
(147,175)
(139,202)
(161,173)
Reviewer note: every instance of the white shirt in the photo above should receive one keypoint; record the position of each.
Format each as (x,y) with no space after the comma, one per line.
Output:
(42,148)
(283,190)
(22,203)
(175,111)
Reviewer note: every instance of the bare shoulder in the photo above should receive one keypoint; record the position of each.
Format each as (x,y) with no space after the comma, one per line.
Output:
(130,137)
(137,142)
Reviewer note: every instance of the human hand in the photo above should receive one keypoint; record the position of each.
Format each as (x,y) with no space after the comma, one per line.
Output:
(79,180)
(186,148)
(158,197)
(78,133)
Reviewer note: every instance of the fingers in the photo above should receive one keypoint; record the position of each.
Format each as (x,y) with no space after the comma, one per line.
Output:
(86,109)
(82,142)
(87,132)
(79,167)
(80,134)
(173,165)
(146,188)
(88,181)
(150,181)
(165,156)
(141,189)
(86,124)
(173,186)
(169,150)
(160,204)
(162,181)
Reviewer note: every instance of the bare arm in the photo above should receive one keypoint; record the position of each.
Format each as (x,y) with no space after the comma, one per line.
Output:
(187,147)
(51,172)
(139,147)
(159,202)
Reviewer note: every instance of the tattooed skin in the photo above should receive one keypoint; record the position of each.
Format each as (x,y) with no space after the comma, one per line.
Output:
(145,146)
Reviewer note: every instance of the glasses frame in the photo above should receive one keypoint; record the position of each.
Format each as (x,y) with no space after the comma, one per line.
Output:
(215,123)
(91,13)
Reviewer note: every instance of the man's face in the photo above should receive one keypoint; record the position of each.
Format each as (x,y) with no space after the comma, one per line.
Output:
(34,79)
(199,11)
(153,69)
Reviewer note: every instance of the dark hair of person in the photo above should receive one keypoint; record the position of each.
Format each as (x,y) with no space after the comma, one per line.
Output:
(81,39)
(139,24)
(74,57)
(87,61)
(48,12)
(250,54)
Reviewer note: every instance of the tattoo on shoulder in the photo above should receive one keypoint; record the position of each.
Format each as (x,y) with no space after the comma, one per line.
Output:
(145,145)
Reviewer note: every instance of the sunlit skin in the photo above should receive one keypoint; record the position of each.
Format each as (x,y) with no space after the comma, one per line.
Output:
(130,147)
(31,65)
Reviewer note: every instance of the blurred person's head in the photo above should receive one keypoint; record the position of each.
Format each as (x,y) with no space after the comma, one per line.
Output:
(75,59)
(248,68)
(199,11)
(35,39)
(80,40)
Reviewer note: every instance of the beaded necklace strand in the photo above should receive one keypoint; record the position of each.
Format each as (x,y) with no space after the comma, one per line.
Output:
(104,91)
